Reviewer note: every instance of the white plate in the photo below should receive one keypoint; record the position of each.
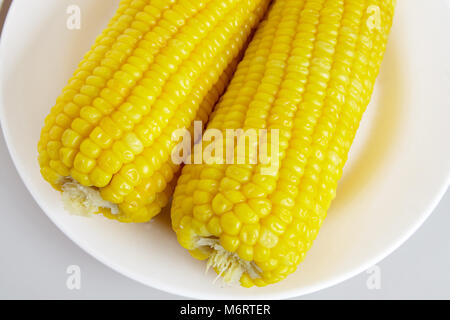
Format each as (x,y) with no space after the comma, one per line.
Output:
(399,167)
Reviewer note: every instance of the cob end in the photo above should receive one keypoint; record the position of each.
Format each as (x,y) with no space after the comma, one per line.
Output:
(227,265)
(84,201)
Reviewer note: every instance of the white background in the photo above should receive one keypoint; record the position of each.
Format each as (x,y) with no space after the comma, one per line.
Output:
(34,256)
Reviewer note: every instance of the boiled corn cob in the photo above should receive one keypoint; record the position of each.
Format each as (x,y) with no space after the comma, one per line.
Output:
(158,66)
(309,73)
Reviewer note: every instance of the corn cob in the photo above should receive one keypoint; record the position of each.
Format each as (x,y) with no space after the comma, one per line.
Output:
(309,72)
(158,66)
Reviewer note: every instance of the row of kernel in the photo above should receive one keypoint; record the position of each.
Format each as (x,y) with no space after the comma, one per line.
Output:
(324,163)
(219,65)
(88,74)
(139,62)
(242,231)
(224,202)
(338,152)
(103,140)
(130,68)
(237,85)
(179,192)
(285,198)
(62,113)
(186,186)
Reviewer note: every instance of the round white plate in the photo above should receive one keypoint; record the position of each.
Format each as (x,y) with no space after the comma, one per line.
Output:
(399,165)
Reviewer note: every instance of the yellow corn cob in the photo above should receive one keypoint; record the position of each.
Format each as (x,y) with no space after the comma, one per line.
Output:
(309,72)
(158,66)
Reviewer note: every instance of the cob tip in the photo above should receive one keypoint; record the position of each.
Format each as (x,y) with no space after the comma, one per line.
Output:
(227,265)
(84,201)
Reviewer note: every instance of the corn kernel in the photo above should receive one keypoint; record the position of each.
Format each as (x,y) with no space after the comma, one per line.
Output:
(235,196)
(220,204)
(250,234)
(245,252)
(90,149)
(267,238)
(229,243)
(71,139)
(202,212)
(109,162)
(245,213)
(230,223)
(99,177)
(109,194)
(83,164)
(201,197)
(81,126)
(214,226)
(261,254)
